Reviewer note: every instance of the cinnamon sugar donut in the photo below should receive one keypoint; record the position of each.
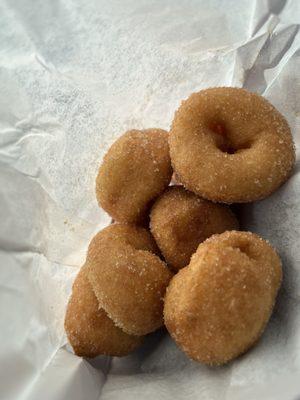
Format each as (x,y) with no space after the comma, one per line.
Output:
(90,331)
(135,170)
(127,277)
(217,307)
(230,145)
(180,221)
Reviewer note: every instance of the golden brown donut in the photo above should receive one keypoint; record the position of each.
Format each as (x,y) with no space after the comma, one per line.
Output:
(128,279)
(217,307)
(90,331)
(180,221)
(135,170)
(230,145)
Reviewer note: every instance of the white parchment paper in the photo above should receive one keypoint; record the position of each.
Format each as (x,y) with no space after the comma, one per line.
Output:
(73,76)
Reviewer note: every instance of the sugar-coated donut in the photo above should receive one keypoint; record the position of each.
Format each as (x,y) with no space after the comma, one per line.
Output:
(128,279)
(90,331)
(217,307)
(135,170)
(180,221)
(230,145)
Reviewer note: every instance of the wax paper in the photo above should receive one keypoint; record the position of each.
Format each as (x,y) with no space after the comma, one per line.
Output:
(74,75)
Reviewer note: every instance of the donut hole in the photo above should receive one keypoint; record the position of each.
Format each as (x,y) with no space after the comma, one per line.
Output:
(246,249)
(218,128)
(236,149)
(223,141)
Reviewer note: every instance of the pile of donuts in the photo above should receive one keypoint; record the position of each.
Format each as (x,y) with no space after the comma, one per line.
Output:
(173,255)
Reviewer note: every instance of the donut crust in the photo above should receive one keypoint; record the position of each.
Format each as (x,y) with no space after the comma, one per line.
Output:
(180,221)
(135,170)
(229,145)
(217,307)
(90,331)
(128,279)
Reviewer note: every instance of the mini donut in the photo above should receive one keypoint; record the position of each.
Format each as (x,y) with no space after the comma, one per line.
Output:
(229,145)
(90,331)
(217,307)
(180,221)
(128,279)
(135,170)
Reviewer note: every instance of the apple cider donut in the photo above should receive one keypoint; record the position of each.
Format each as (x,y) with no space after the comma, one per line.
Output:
(90,331)
(180,221)
(128,278)
(135,170)
(230,145)
(217,307)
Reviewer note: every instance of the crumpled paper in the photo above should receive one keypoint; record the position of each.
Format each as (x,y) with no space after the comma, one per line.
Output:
(74,75)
